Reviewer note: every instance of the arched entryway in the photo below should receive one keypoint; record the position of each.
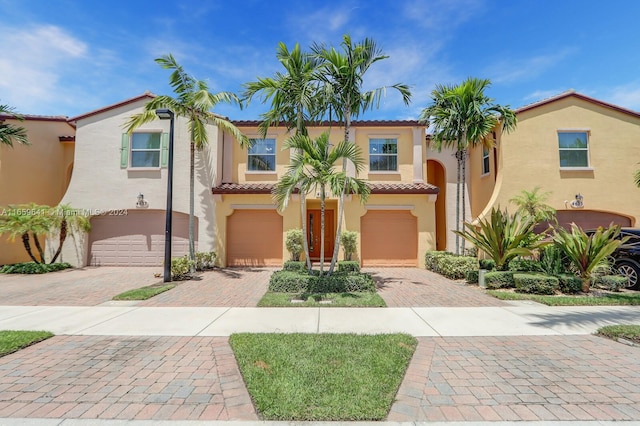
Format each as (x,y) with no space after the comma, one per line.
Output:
(436,176)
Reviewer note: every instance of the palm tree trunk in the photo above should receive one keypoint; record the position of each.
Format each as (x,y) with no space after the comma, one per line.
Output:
(305,239)
(458,204)
(192,250)
(63,236)
(39,247)
(336,246)
(27,246)
(464,191)
(322,206)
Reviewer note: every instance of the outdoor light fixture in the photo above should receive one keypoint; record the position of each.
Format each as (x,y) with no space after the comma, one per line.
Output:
(167,114)
(141,203)
(578,202)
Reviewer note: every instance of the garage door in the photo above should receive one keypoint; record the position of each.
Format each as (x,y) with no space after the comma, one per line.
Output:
(136,239)
(254,238)
(389,238)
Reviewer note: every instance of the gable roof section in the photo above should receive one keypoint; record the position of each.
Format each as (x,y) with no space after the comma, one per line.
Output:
(376,188)
(573,93)
(356,123)
(145,95)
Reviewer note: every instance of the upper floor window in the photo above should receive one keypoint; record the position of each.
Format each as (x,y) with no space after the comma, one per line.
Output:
(145,150)
(485,161)
(383,155)
(574,148)
(262,155)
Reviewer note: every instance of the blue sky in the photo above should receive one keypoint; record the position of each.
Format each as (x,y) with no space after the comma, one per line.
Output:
(64,57)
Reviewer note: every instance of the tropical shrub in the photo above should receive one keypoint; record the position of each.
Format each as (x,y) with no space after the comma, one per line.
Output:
(610,282)
(500,236)
(294,243)
(552,261)
(472,276)
(520,264)
(302,282)
(432,259)
(569,283)
(535,283)
(488,264)
(348,266)
(588,252)
(294,265)
(499,279)
(205,260)
(349,241)
(33,268)
(456,267)
(181,267)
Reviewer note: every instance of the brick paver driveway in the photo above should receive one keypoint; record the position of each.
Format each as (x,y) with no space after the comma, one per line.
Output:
(407,287)
(87,286)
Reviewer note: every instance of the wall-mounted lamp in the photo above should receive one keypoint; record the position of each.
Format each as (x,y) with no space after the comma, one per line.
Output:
(578,203)
(141,203)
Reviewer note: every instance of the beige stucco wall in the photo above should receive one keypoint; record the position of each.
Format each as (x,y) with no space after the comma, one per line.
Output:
(37,173)
(98,182)
(529,157)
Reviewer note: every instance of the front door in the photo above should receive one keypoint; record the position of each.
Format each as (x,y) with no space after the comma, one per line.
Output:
(313,228)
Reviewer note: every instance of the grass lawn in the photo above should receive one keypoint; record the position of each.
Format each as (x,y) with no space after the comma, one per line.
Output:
(628,332)
(360,299)
(596,298)
(143,293)
(14,340)
(324,377)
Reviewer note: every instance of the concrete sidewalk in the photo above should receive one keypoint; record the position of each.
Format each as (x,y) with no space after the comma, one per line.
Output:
(515,319)
(96,422)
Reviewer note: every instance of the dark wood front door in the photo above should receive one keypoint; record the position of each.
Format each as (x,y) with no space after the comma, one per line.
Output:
(313,228)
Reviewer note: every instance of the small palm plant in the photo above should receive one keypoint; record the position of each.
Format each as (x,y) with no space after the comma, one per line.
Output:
(500,236)
(588,252)
(349,241)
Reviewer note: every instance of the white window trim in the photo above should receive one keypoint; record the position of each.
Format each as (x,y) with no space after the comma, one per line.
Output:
(397,154)
(588,167)
(130,166)
(275,156)
(488,156)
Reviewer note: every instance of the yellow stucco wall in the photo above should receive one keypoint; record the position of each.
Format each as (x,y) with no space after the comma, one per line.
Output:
(37,173)
(529,157)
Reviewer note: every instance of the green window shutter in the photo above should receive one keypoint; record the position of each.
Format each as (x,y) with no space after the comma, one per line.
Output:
(124,151)
(164,156)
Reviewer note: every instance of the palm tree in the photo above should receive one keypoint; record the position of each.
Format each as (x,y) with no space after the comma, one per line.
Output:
(636,178)
(10,133)
(294,102)
(27,222)
(532,204)
(463,116)
(312,168)
(65,219)
(193,101)
(342,75)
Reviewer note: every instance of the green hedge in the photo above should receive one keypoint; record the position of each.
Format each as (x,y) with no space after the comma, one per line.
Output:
(610,282)
(432,259)
(499,279)
(448,264)
(524,265)
(472,276)
(33,268)
(339,282)
(348,266)
(569,284)
(295,266)
(535,283)
(488,264)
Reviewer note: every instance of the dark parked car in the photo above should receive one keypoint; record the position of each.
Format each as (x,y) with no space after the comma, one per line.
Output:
(627,257)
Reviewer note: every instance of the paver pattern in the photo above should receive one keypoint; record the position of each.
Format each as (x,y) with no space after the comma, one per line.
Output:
(412,287)
(87,286)
(231,287)
(536,378)
(157,378)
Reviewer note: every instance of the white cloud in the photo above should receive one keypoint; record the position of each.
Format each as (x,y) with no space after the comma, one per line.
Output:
(517,70)
(33,60)
(439,14)
(627,96)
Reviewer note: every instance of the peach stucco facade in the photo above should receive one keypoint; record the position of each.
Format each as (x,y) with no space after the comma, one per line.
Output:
(36,173)
(529,157)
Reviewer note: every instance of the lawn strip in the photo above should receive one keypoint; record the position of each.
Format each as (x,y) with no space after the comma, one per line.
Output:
(14,340)
(359,299)
(143,293)
(607,299)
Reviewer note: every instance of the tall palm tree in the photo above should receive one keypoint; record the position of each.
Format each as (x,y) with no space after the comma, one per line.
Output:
(66,220)
(342,75)
(463,116)
(27,221)
(294,102)
(9,132)
(312,168)
(193,101)
(532,204)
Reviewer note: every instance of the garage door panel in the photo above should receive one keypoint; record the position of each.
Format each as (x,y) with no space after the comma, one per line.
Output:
(136,239)
(389,238)
(254,238)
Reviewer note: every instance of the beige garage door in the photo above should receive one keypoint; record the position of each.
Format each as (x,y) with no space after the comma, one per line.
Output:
(136,239)
(389,238)
(254,238)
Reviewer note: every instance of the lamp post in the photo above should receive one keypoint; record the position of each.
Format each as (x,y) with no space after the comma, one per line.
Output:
(167,114)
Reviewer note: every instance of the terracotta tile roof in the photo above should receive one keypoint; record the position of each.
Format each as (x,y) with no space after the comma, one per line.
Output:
(376,188)
(356,123)
(34,117)
(145,95)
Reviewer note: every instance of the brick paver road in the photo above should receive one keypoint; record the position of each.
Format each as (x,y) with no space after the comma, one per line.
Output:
(546,378)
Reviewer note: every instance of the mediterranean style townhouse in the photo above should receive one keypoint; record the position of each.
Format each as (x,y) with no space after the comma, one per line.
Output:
(36,173)
(581,150)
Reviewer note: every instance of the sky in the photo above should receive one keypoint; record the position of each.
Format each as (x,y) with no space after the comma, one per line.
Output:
(69,57)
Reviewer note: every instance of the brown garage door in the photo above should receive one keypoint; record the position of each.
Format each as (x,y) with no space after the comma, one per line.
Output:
(254,238)
(389,238)
(136,239)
